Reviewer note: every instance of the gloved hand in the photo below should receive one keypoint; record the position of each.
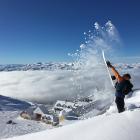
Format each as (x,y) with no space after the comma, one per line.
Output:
(108,64)
(113,77)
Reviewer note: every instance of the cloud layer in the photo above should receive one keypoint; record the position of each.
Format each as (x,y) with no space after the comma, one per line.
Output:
(49,86)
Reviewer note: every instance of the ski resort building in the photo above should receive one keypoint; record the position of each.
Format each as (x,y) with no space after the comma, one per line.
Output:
(28,114)
(40,113)
(73,110)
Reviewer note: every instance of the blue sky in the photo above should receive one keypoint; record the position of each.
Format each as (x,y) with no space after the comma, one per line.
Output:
(47,30)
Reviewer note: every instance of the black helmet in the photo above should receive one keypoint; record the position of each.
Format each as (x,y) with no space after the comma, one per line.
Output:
(127,75)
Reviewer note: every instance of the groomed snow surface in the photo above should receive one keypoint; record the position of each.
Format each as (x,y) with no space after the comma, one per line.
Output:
(109,126)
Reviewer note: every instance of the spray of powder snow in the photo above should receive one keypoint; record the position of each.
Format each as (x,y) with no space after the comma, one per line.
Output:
(89,77)
(92,78)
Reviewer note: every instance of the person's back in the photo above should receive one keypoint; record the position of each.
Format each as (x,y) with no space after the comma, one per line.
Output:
(123,88)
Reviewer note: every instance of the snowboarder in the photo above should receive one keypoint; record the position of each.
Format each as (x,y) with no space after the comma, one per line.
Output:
(123,87)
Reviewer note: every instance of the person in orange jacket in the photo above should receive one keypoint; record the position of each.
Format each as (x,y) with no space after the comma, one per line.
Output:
(123,87)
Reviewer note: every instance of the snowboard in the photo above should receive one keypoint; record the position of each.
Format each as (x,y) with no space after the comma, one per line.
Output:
(103,54)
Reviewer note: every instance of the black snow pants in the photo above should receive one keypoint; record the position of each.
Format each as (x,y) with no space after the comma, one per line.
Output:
(120,104)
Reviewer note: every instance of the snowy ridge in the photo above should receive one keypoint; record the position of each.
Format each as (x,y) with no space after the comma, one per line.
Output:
(36,66)
(54,66)
(10,104)
(128,66)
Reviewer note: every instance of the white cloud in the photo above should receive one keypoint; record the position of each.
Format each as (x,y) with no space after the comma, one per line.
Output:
(49,86)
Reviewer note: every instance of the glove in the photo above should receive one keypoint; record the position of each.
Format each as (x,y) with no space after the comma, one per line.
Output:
(108,64)
(113,77)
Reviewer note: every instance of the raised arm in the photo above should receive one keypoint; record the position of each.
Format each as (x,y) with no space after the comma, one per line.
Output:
(115,72)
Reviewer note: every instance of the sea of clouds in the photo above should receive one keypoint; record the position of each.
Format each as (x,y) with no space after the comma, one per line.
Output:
(49,86)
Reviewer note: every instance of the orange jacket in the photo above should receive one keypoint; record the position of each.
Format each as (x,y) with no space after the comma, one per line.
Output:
(116,74)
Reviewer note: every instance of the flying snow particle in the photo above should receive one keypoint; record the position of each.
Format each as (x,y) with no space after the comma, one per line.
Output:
(82,46)
(96,25)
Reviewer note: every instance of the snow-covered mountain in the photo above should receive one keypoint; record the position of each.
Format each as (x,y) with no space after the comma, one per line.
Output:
(128,66)
(54,66)
(10,104)
(36,66)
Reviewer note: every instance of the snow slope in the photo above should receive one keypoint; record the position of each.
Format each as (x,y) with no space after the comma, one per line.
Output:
(10,104)
(19,126)
(113,126)
(10,109)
